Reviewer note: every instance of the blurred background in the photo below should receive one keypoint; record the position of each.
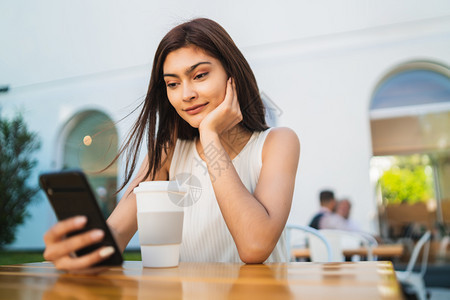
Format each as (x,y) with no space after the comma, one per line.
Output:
(365,85)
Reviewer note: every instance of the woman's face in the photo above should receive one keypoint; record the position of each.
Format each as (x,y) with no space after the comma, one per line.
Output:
(195,83)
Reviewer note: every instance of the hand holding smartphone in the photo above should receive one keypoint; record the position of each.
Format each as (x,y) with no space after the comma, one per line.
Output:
(70,195)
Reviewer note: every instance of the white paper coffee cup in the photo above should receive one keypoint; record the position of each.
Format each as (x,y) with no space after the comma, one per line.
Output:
(160,222)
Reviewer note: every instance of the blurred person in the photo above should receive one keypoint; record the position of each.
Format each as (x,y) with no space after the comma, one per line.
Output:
(343,208)
(340,219)
(327,206)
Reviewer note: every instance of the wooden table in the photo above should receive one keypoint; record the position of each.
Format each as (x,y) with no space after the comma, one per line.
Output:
(382,251)
(362,280)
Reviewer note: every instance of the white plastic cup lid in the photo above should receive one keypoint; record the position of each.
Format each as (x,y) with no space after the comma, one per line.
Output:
(160,186)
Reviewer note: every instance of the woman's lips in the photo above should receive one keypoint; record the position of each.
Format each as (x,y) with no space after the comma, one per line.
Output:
(193,110)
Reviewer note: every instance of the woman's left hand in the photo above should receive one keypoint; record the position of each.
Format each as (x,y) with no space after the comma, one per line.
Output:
(225,116)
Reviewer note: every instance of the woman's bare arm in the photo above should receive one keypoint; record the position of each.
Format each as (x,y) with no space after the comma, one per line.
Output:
(255,220)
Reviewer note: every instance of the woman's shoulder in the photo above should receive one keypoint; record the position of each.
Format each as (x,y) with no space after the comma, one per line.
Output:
(281,140)
(277,134)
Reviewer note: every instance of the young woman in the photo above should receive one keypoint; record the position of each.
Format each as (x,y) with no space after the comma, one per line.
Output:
(203,116)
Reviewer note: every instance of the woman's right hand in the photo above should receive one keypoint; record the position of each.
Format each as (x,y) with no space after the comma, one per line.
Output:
(59,249)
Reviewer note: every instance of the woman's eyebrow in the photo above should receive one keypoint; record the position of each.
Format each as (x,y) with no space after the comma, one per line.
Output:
(192,68)
(189,70)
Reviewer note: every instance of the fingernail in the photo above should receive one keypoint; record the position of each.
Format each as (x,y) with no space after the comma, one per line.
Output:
(107,251)
(97,234)
(80,220)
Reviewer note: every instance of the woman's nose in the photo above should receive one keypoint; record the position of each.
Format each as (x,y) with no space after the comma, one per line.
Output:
(189,92)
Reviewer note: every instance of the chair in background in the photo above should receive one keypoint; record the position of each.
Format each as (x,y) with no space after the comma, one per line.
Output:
(373,243)
(320,249)
(341,240)
(415,279)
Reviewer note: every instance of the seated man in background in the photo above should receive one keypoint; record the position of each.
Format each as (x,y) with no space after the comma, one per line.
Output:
(339,219)
(327,206)
(343,208)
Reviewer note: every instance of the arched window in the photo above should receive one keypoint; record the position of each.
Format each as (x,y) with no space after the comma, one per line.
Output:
(90,144)
(412,87)
(410,114)
(410,110)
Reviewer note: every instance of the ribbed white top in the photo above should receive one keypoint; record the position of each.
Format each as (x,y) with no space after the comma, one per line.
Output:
(206,237)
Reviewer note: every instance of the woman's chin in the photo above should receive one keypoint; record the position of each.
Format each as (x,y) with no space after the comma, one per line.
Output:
(195,122)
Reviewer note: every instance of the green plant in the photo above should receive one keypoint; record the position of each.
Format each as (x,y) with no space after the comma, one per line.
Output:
(20,257)
(16,164)
(409,180)
(9,257)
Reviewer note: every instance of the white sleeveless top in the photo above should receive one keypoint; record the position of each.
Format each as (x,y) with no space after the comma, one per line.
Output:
(206,237)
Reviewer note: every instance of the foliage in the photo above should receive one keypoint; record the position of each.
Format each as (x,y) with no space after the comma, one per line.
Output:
(16,146)
(409,180)
(21,257)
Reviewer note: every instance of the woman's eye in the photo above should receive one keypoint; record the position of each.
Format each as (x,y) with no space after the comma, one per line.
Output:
(171,85)
(201,75)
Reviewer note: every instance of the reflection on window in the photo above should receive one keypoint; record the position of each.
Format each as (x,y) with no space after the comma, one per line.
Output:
(90,146)
(412,87)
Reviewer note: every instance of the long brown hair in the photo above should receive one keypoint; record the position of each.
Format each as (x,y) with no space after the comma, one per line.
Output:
(215,41)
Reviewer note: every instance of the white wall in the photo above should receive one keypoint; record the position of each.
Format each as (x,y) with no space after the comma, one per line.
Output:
(324,86)
(318,61)
(46,40)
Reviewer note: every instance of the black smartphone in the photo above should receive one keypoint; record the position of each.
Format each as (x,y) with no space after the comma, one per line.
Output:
(70,195)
